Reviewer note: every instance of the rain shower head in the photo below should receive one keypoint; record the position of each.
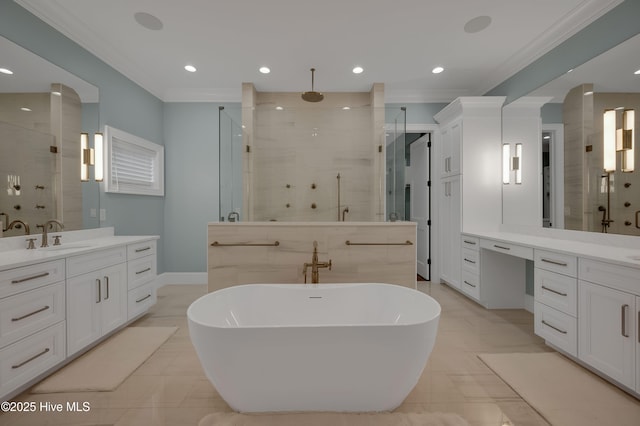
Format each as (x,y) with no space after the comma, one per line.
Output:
(312,96)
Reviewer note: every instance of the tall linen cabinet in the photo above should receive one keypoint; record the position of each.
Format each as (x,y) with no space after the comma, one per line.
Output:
(469,164)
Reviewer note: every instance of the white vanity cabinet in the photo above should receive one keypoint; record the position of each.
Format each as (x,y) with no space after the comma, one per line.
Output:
(450,227)
(32,322)
(608,320)
(556,299)
(470,281)
(96,296)
(141,273)
(469,166)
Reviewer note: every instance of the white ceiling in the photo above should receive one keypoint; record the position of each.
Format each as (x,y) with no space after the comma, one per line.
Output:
(397,42)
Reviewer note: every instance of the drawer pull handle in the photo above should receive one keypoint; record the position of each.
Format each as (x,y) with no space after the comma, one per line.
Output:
(143,271)
(21,280)
(554,291)
(468,283)
(468,260)
(143,249)
(473,243)
(555,328)
(554,262)
(30,359)
(99,284)
(32,313)
(144,298)
(106,280)
(623,320)
(502,247)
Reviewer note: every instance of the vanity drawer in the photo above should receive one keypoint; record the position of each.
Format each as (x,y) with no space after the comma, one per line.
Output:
(138,250)
(470,260)
(556,290)
(28,312)
(508,248)
(557,328)
(17,280)
(616,276)
(31,356)
(141,271)
(470,284)
(557,262)
(81,264)
(141,299)
(472,243)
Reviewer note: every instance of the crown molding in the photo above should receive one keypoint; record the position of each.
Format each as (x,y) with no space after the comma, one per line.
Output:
(566,26)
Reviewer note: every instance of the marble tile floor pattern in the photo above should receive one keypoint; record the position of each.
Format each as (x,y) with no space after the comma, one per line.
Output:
(170,387)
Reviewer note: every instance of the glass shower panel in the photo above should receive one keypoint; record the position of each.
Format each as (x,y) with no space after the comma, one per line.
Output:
(230,164)
(396,164)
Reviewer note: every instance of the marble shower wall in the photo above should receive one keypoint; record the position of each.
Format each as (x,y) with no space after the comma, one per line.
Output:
(295,150)
(284,263)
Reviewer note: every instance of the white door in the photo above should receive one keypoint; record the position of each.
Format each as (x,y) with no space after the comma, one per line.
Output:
(419,154)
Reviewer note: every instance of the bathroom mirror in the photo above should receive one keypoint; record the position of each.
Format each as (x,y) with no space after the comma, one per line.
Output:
(589,198)
(43,110)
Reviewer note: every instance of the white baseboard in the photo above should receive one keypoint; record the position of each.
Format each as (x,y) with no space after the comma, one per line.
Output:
(182,278)
(528,302)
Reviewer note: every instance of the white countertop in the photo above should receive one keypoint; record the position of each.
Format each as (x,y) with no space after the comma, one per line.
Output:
(607,253)
(73,243)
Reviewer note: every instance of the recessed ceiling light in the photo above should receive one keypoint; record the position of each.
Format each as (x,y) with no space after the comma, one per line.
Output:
(6,71)
(477,24)
(346,108)
(588,93)
(358,70)
(279,108)
(190,68)
(148,21)
(437,70)
(637,72)
(55,93)
(25,109)
(546,137)
(570,70)
(264,70)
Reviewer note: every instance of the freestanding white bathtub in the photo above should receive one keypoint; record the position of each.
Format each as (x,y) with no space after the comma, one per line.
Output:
(326,347)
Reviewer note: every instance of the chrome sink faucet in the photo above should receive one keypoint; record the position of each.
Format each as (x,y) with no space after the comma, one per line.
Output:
(315,266)
(45,227)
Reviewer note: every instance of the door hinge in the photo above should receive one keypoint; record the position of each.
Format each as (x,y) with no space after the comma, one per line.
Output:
(429,222)
(429,183)
(428,261)
(429,144)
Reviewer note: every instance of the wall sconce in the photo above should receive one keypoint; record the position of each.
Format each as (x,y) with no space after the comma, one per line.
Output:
(506,153)
(510,163)
(616,140)
(91,157)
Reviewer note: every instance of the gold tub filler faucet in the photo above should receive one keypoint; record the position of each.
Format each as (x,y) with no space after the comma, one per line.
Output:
(315,266)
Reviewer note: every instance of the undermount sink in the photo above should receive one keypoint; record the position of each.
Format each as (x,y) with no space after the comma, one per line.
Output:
(66,247)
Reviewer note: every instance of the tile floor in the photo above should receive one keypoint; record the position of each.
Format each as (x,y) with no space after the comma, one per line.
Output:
(170,387)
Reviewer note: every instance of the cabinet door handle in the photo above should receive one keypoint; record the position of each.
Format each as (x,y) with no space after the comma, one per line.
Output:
(638,329)
(554,291)
(555,328)
(468,283)
(470,261)
(99,284)
(638,219)
(143,271)
(623,320)
(33,277)
(106,280)
(143,249)
(473,243)
(26,361)
(502,247)
(554,262)
(30,314)
(144,298)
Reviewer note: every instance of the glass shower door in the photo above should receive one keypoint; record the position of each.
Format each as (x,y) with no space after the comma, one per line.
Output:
(396,164)
(230,165)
